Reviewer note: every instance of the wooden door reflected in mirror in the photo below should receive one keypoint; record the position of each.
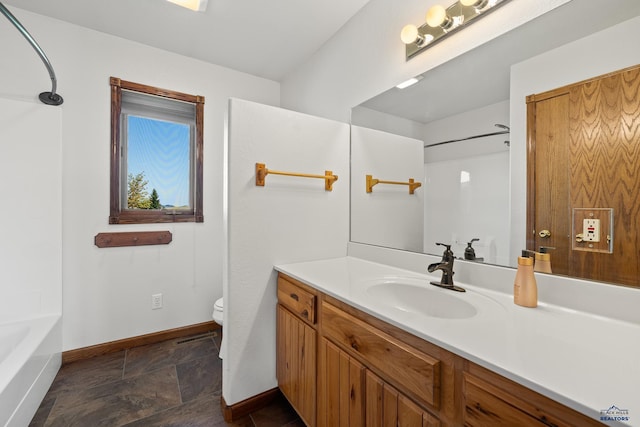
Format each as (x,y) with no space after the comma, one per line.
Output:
(584,152)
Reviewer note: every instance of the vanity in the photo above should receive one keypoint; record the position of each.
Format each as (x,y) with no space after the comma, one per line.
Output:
(363,343)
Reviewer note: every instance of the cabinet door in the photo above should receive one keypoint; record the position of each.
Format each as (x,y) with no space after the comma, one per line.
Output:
(386,407)
(341,381)
(296,364)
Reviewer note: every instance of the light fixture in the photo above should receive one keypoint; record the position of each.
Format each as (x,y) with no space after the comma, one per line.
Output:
(441,21)
(478,4)
(410,82)
(437,17)
(410,34)
(196,5)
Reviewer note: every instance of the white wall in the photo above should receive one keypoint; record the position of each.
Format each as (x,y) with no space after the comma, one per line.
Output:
(372,119)
(458,211)
(609,50)
(474,122)
(107,292)
(31,217)
(389,215)
(290,219)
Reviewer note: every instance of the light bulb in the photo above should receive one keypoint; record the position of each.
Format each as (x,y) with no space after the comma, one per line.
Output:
(195,5)
(478,4)
(436,16)
(409,34)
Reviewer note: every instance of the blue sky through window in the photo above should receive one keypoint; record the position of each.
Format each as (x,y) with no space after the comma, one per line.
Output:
(160,149)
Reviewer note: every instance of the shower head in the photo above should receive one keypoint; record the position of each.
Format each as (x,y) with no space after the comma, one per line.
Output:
(505,127)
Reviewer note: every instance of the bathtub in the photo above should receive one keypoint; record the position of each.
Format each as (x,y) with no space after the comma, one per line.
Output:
(30,357)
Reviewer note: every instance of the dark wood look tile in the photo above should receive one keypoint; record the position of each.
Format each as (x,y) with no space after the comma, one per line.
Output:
(201,412)
(88,373)
(277,414)
(43,411)
(200,377)
(148,358)
(119,402)
(217,338)
(174,383)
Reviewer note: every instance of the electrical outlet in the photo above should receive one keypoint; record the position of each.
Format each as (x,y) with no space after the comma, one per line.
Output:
(156,301)
(591,230)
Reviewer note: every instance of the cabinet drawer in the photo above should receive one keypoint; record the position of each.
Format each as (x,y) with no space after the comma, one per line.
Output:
(297,300)
(482,408)
(490,399)
(402,365)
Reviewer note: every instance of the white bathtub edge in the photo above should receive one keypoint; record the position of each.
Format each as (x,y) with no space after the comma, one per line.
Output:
(25,412)
(21,398)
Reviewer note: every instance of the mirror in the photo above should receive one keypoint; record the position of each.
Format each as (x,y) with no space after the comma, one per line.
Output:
(470,113)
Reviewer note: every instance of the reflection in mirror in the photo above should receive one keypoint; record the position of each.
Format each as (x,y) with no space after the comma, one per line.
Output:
(476,188)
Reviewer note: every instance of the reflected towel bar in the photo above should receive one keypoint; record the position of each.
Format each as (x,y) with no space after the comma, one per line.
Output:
(262,172)
(372,181)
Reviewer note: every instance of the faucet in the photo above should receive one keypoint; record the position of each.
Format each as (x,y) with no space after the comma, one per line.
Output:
(446,266)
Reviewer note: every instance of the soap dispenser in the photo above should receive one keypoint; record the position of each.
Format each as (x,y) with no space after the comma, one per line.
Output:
(543,260)
(469,252)
(525,288)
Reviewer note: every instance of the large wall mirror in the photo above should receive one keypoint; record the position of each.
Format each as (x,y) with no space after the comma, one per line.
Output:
(461,133)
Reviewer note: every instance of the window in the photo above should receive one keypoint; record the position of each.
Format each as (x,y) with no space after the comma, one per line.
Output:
(156,155)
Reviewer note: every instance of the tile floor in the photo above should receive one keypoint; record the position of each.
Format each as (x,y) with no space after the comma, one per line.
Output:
(173,383)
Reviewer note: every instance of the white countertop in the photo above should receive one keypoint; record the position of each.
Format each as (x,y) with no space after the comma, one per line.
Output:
(585,361)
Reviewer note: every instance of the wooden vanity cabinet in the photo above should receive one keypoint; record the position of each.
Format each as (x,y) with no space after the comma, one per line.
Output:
(296,340)
(339,366)
(341,382)
(387,407)
(492,400)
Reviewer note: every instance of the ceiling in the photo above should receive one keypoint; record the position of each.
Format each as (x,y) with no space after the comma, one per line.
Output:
(480,77)
(263,38)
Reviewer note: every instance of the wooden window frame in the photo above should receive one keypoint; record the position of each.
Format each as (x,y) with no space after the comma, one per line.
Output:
(120,215)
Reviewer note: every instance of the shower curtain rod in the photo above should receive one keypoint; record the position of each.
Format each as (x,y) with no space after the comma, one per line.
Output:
(483,135)
(49,98)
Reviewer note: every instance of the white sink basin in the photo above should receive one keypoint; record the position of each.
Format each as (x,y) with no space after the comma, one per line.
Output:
(418,296)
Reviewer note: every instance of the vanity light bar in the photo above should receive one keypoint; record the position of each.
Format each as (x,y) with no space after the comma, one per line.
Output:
(441,22)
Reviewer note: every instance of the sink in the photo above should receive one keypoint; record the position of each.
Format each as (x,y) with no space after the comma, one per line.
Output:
(418,296)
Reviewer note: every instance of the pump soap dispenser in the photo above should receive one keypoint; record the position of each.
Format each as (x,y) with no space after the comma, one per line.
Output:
(525,288)
(543,260)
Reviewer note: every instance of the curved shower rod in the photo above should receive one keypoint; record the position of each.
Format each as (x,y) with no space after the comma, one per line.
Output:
(49,98)
(506,128)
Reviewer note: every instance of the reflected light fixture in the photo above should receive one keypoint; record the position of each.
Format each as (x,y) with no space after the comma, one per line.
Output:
(441,21)
(410,82)
(195,5)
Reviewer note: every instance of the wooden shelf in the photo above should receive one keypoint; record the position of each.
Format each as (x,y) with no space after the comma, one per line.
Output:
(133,238)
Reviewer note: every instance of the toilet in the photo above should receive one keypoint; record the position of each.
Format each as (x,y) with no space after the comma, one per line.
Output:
(218,312)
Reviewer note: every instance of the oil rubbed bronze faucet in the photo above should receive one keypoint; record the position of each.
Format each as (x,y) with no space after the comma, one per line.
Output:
(446,266)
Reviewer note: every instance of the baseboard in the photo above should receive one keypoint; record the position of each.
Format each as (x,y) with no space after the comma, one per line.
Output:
(123,344)
(241,409)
